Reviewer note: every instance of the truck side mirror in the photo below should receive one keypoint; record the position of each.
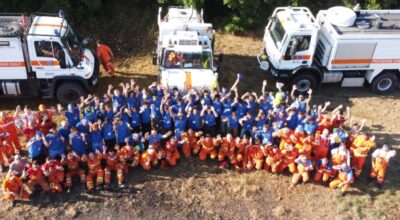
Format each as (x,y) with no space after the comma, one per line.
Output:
(154,58)
(220,57)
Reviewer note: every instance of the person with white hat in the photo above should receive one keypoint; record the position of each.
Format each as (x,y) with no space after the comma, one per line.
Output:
(380,162)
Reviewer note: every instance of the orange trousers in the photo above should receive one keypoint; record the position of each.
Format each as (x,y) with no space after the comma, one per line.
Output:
(203,154)
(22,194)
(99,173)
(357,164)
(118,168)
(108,68)
(298,176)
(336,182)
(291,167)
(55,180)
(378,173)
(33,181)
(72,173)
(272,165)
(322,174)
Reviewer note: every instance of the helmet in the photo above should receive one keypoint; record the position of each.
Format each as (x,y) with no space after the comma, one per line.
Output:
(42,107)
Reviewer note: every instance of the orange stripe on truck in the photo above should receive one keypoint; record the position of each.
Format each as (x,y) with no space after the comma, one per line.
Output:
(365,61)
(49,25)
(351,61)
(12,64)
(44,63)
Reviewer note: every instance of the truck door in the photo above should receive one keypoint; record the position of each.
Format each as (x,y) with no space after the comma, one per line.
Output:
(48,59)
(297,52)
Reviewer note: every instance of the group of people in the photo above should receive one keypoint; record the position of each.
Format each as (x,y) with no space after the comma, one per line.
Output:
(156,126)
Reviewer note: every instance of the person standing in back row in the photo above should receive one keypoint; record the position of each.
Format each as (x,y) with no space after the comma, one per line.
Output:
(105,54)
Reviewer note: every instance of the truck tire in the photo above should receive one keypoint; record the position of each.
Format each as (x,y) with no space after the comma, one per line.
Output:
(385,83)
(69,93)
(304,81)
(10,29)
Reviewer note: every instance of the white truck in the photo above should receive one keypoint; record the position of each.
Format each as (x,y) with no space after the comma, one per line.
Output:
(40,56)
(185,50)
(341,45)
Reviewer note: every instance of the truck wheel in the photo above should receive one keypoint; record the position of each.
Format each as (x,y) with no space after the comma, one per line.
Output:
(304,82)
(69,93)
(10,29)
(385,83)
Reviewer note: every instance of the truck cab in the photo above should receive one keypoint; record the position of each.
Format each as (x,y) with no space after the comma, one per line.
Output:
(290,40)
(53,62)
(185,50)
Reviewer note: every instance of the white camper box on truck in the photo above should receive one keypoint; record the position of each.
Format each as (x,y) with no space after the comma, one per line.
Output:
(340,46)
(185,50)
(40,56)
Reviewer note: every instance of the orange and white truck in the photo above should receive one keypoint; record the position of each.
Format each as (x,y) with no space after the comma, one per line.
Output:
(41,56)
(341,45)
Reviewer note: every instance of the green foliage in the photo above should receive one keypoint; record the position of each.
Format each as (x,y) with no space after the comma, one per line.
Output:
(236,16)
(78,10)
(373,4)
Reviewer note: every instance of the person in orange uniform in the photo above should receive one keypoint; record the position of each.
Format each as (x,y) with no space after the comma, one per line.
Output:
(290,154)
(54,171)
(7,124)
(254,156)
(226,150)
(71,161)
(339,156)
(171,153)
(380,163)
(305,147)
(304,166)
(208,145)
(323,170)
(13,189)
(286,135)
(149,158)
(36,177)
(129,156)
(324,122)
(273,160)
(189,142)
(105,54)
(113,164)
(359,149)
(6,150)
(44,118)
(344,179)
(240,151)
(95,170)
(321,145)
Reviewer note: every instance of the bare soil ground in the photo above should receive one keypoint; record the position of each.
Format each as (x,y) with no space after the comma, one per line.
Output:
(199,190)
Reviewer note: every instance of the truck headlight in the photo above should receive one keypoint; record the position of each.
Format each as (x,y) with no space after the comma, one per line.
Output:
(263,57)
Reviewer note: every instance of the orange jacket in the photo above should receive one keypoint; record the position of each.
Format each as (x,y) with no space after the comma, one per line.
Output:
(72,164)
(124,154)
(12,186)
(94,164)
(104,53)
(360,147)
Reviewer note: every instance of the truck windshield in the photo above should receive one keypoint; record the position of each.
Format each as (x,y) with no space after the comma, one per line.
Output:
(72,44)
(187,60)
(277,32)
